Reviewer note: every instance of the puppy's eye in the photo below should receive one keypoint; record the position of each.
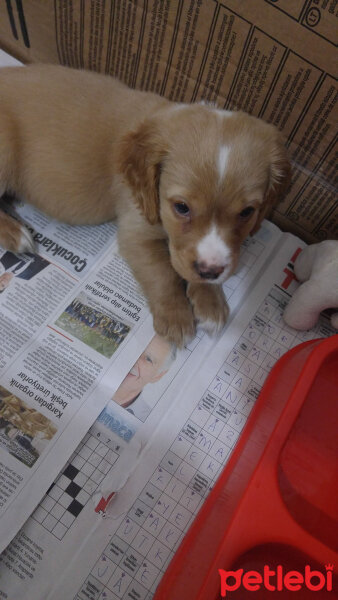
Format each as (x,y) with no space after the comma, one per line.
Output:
(247,212)
(182,209)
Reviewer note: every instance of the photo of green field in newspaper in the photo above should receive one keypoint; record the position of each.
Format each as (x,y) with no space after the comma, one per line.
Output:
(24,431)
(98,330)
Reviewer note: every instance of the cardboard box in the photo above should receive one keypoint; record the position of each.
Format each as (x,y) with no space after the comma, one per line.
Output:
(273,58)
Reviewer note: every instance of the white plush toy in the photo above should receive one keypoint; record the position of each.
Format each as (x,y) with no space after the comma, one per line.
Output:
(317,267)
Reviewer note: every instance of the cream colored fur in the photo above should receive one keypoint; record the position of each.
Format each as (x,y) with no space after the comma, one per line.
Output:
(85,149)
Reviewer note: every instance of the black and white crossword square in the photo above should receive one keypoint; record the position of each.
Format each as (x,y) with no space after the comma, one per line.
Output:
(72,489)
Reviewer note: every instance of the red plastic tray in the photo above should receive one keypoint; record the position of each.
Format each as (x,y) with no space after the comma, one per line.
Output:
(275,502)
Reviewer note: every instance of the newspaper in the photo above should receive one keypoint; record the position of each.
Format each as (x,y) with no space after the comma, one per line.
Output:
(72,322)
(118,502)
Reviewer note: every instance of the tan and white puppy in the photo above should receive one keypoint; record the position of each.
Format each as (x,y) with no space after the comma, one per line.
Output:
(187,182)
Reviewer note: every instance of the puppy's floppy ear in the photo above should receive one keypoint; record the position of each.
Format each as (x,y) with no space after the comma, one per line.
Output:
(140,158)
(278,182)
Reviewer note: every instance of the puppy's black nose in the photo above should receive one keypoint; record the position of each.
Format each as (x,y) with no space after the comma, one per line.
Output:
(208,271)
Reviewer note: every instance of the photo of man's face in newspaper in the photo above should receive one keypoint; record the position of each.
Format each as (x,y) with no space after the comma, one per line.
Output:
(150,367)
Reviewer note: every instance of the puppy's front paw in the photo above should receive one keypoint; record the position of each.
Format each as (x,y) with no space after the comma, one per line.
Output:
(174,321)
(14,236)
(209,306)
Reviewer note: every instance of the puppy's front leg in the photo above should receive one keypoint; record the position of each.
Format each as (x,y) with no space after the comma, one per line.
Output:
(209,306)
(14,236)
(163,288)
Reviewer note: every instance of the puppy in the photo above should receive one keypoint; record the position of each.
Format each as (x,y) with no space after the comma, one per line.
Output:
(187,182)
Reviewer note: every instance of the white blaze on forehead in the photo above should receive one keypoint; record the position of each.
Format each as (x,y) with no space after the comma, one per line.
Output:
(212,250)
(222,160)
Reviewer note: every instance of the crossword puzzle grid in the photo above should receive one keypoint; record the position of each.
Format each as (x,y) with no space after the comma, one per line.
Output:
(70,492)
(134,561)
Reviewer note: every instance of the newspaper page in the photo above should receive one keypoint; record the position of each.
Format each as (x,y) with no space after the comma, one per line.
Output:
(126,555)
(124,433)
(103,489)
(72,322)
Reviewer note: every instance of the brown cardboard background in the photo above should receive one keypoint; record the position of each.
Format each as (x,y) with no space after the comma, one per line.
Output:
(273,58)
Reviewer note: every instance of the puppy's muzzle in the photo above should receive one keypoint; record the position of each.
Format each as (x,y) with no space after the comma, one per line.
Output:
(211,272)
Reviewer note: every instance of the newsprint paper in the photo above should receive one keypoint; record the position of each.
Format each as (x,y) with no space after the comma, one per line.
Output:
(72,323)
(110,440)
